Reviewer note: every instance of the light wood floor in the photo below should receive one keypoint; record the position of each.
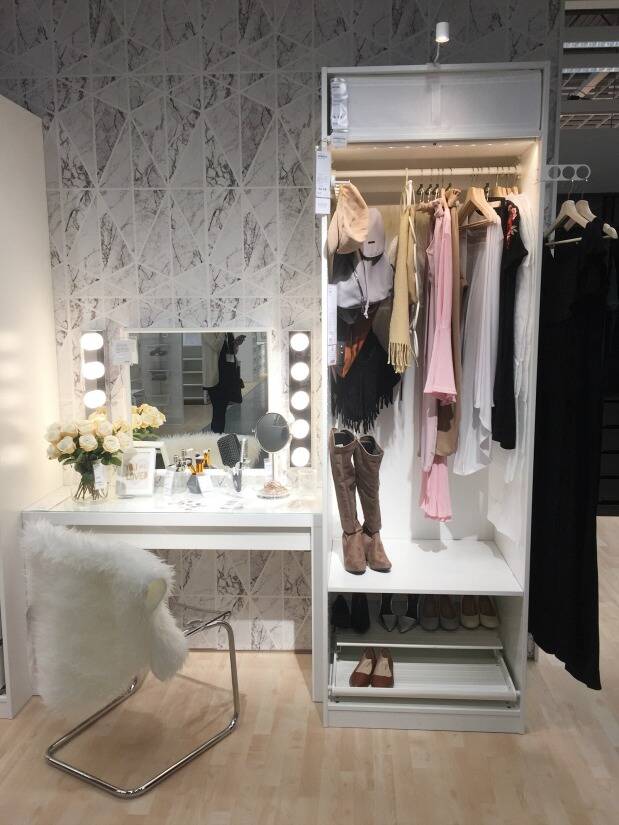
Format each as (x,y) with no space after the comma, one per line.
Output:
(282,768)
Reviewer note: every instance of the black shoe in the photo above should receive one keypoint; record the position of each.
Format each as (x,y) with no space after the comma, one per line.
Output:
(386,616)
(410,618)
(340,613)
(360,613)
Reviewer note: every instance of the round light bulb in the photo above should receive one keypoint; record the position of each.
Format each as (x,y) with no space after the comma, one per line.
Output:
(91,341)
(300,428)
(300,457)
(299,341)
(299,371)
(91,370)
(299,400)
(94,399)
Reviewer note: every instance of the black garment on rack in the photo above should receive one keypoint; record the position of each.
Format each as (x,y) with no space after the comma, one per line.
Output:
(228,389)
(514,252)
(368,386)
(563,608)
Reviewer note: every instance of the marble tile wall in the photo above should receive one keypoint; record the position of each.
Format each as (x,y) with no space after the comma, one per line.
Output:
(178,140)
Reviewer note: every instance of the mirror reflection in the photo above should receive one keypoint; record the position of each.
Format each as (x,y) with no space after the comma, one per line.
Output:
(205,383)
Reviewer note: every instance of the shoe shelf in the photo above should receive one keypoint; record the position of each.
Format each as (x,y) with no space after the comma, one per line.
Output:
(481,638)
(452,567)
(443,674)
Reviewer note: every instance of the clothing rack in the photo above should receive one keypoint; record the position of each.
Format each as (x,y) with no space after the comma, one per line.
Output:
(338,178)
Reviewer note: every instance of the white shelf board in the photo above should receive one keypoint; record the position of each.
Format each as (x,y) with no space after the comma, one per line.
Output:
(461,639)
(433,674)
(456,567)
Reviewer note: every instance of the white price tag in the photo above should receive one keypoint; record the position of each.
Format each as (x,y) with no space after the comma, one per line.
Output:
(332,325)
(124,351)
(323,182)
(100,475)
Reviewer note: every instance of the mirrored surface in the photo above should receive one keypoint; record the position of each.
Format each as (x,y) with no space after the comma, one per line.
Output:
(205,383)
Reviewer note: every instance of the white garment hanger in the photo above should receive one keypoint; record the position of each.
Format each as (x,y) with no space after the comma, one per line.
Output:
(567,212)
(584,209)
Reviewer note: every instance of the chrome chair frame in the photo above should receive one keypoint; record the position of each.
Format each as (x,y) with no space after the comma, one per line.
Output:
(131,793)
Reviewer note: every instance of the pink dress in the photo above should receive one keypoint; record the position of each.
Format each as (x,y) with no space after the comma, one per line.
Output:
(439,382)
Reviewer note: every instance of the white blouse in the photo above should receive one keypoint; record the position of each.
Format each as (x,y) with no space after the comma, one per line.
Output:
(480,260)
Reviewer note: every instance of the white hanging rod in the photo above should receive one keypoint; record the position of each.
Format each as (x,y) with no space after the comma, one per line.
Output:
(435,172)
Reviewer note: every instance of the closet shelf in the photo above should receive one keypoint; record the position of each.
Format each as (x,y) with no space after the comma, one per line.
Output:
(454,567)
(461,639)
(433,674)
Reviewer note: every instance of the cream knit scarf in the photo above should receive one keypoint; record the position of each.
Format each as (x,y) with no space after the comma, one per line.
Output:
(400,349)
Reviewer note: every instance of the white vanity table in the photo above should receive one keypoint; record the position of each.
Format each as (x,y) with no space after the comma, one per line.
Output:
(219,520)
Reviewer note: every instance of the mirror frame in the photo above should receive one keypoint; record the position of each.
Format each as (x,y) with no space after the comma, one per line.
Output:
(274,372)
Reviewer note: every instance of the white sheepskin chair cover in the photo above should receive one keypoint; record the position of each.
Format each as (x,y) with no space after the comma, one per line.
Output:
(99,616)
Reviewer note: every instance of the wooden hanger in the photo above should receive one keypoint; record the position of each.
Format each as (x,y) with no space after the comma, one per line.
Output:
(567,212)
(583,208)
(475,201)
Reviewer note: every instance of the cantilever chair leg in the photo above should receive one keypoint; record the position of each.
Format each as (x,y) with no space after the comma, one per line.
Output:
(131,793)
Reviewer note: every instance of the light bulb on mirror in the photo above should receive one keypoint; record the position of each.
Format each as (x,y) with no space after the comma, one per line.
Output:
(94,399)
(300,428)
(300,400)
(300,457)
(91,370)
(91,341)
(299,371)
(299,341)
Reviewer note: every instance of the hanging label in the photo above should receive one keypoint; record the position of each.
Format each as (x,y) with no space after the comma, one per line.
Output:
(124,351)
(332,325)
(323,182)
(100,475)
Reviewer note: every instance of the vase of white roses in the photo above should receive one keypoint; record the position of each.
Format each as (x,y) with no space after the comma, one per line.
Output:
(145,419)
(91,446)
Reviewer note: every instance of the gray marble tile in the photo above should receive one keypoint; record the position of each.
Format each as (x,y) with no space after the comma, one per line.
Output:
(233,572)
(297,624)
(265,572)
(218,639)
(296,567)
(199,573)
(266,615)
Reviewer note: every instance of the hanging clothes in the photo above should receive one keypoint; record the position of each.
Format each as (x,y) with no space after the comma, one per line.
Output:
(480,256)
(439,383)
(563,607)
(449,414)
(400,346)
(508,484)
(504,399)
(358,398)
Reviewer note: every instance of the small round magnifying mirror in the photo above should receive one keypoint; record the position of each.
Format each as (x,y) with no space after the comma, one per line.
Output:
(273,434)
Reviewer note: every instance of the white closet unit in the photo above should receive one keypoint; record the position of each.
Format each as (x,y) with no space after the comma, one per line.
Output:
(447,118)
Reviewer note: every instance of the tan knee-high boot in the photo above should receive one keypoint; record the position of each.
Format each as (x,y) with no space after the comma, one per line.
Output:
(342,444)
(368,457)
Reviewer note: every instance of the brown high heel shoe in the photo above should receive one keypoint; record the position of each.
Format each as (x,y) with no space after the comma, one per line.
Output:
(362,674)
(382,675)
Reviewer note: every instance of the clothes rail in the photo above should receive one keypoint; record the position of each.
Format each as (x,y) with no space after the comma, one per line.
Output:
(430,172)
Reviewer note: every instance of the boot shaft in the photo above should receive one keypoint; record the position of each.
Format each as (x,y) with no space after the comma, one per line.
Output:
(342,445)
(368,458)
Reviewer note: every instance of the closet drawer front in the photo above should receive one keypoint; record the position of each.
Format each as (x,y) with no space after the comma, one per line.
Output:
(469,104)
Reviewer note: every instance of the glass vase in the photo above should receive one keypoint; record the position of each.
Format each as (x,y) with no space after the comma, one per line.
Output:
(91,484)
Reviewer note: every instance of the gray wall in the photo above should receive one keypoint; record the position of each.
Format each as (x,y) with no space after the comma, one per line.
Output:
(179,137)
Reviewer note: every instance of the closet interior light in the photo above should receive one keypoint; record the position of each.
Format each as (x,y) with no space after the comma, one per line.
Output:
(93,369)
(300,388)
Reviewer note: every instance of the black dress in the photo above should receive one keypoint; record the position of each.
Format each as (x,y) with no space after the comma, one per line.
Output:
(563,609)
(504,400)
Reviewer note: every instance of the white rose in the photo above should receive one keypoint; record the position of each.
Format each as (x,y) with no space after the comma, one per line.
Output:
(134,409)
(136,421)
(104,427)
(121,426)
(111,444)
(88,442)
(53,433)
(97,415)
(52,451)
(124,440)
(85,426)
(66,445)
(69,428)
(149,418)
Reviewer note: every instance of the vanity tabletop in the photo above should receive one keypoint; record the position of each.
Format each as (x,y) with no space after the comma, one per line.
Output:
(217,508)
